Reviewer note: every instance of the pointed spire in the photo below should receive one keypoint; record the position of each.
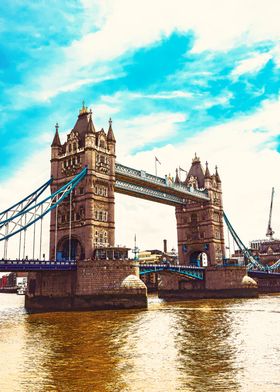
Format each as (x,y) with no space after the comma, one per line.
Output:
(56,140)
(84,109)
(217,174)
(196,158)
(207,172)
(177,179)
(90,127)
(110,135)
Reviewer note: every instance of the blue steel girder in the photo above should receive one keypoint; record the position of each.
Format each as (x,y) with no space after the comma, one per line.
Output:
(23,204)
(27,217)
(141,184)
(36,265)
(264,274)
(191,272)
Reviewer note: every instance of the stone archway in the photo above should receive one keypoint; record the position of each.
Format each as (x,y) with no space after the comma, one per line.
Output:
(199,259)
(74,247)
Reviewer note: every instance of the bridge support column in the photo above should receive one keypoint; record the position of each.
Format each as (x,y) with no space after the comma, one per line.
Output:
(99,284)
(219,282)
(200,223)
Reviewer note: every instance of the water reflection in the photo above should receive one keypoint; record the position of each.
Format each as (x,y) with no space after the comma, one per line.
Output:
(226,345)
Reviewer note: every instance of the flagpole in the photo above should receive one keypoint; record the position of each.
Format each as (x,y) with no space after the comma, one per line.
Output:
(156,166)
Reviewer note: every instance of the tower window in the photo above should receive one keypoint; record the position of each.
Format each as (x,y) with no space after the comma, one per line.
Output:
(102,144)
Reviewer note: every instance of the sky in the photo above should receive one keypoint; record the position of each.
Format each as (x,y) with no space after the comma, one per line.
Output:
(177,78)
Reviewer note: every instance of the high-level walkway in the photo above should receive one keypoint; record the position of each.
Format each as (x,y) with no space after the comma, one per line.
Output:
(143,185)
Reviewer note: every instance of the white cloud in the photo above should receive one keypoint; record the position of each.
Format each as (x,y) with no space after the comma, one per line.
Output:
(168,95)
(117,28)
(252,64)
(218,25)
(223,99)
(143,130)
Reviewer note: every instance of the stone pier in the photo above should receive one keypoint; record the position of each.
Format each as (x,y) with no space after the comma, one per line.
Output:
(95,285)
(219,282)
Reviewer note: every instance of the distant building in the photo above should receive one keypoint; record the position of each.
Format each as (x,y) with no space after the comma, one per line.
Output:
(268,251)
(8,281)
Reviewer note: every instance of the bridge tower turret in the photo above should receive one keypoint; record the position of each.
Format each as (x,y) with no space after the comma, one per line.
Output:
(200,223)
(91,223)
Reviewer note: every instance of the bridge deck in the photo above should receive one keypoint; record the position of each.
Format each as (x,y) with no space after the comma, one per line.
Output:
(36,265)
(263,274)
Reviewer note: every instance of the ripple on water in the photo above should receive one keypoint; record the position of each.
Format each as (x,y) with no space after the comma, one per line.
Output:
(205,345)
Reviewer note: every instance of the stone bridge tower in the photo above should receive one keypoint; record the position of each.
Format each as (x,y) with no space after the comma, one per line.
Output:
(199,223)
(92,202)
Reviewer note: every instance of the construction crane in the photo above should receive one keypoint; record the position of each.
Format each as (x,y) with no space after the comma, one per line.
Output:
(270,232)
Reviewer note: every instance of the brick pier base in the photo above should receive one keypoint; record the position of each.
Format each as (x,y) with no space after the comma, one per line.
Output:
(96,285)
(219,282)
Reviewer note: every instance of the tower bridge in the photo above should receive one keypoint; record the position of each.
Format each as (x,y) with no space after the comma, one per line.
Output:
(85,178)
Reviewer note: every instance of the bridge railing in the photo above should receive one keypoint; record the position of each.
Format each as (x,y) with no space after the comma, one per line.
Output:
(36,265)
(141,174)
(149,192)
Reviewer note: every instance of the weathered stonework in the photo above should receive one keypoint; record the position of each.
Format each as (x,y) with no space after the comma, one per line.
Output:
(200,223)
(81,224)
(92,202)
(95,285)
(219,282)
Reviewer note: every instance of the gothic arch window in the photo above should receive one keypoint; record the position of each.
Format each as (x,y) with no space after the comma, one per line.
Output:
(102,143)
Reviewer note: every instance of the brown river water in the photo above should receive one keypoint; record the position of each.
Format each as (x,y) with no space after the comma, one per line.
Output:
(205,345)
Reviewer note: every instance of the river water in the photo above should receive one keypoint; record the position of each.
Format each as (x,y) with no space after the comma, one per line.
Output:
(205,345)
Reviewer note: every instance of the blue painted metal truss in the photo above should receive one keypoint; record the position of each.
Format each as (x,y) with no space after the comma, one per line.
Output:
(196,273)
(23,204)
(268,274)
(15,222)
(253,264)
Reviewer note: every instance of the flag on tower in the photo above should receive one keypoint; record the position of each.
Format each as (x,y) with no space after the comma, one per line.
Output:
(182,169)
(157,160)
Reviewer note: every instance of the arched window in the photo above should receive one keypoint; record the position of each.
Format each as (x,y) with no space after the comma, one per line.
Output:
(102,143)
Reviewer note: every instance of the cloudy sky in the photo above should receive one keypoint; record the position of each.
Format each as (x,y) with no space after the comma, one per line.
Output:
(177,77)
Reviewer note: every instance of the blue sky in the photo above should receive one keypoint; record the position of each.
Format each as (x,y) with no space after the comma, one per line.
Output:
(168,74)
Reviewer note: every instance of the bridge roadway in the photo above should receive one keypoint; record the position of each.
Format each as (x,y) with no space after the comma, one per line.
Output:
(197,273)
(47,265)
(143,185)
